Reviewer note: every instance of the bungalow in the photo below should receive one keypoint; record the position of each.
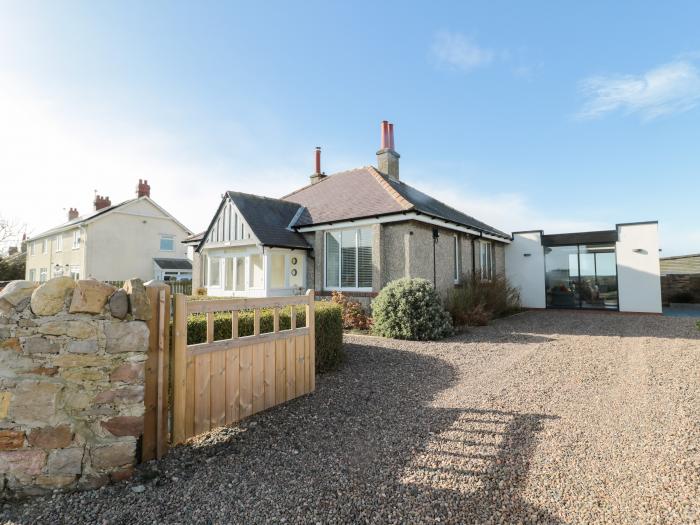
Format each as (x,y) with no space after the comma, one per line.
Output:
(352,231)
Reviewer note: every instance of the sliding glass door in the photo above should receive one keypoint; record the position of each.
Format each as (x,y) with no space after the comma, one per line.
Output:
(581,276)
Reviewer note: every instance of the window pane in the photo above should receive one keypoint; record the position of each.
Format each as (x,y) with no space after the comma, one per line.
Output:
(240,273)
(167,244)
(214,271)
(277,273)
(333,259)
(348,264)
(229,274)
(364,258)
(257,278)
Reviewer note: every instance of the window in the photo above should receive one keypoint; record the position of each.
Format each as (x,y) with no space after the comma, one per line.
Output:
(44,246)
(76,239)
(228,274)
(32,275)
(167,243)
(486,260)
(277,275)
(349,259)
(32,248)
(456,259)
(214,271)
(43,273)
(257,277)
(59,243)
(240,273)
(75,272)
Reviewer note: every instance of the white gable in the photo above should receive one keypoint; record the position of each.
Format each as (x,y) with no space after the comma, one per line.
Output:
(229,227)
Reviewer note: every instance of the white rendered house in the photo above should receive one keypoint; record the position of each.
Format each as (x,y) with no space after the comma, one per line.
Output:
(605,270)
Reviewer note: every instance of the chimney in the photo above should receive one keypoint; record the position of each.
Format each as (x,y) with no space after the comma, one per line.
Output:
(387,158)
(143,189)
(318,174)
(102,202)
(73,214)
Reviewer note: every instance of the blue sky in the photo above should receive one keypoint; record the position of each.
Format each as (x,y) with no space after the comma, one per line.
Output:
(526,115)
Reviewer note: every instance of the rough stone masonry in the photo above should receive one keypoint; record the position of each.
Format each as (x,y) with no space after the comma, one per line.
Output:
(72,358)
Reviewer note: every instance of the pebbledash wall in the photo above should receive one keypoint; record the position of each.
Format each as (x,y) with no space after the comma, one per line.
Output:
(72,358)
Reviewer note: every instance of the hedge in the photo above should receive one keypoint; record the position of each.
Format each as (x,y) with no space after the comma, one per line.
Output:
(329,329)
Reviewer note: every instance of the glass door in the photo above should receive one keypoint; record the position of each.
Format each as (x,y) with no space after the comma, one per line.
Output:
(562,276)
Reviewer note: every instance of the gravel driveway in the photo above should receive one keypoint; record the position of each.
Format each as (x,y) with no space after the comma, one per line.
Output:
(547,417)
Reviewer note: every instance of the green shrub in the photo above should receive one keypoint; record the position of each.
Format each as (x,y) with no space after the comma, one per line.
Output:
(475,302)
(329,329)
(410,309)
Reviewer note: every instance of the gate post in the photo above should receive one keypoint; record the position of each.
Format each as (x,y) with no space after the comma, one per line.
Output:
(155,432)
(311,323)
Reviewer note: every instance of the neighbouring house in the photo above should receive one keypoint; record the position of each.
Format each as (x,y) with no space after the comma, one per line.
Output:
(135,238)
(352,231)
(606,270)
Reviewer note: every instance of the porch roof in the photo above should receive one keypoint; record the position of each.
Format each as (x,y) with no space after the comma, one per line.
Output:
(173,264)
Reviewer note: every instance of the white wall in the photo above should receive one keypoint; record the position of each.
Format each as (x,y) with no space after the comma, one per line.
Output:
(527,273)
(638,278)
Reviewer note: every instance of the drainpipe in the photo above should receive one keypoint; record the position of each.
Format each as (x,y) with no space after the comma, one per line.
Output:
(436,235)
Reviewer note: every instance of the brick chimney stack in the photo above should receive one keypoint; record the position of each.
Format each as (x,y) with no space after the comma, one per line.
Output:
(318,174)
(387,158)
(143,189)
(102,202)
(73,214)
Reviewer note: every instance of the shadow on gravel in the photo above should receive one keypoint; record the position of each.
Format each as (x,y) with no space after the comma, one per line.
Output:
(365,447)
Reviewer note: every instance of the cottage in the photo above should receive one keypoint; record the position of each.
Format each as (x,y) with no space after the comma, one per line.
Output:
(352,231)
(135,238)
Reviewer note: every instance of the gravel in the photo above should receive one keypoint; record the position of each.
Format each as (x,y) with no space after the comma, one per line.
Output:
(544,417)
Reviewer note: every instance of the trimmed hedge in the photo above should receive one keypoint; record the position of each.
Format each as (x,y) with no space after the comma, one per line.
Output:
(329,329)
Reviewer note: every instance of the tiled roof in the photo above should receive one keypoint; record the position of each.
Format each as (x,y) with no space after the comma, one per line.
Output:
(269,219)
(364,192)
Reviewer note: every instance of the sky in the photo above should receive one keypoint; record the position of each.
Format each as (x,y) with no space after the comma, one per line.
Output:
(558,116)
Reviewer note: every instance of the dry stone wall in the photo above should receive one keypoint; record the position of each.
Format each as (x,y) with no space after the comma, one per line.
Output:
(72,359)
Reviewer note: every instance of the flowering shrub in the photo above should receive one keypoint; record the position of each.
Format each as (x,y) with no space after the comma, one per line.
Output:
(354,316)
(410,309)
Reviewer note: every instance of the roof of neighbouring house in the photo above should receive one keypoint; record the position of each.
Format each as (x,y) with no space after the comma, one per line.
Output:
(269,219)
(365,192)
(173,264)
(681,264)
(194,239)
(97,213)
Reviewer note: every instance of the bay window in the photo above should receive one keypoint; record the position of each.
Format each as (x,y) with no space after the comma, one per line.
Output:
(214,271)
(349,259)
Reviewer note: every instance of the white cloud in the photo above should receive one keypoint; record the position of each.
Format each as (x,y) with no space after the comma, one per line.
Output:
(54,156)
(669,88)
(458,51)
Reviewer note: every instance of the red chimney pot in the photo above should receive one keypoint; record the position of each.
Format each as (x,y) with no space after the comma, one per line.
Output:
(143,189)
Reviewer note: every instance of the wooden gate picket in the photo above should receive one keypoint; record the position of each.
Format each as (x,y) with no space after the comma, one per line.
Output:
(219,382)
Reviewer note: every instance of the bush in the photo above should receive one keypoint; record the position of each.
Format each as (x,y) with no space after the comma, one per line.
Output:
(354,316)
(475,302)
(329,329)
(410,309)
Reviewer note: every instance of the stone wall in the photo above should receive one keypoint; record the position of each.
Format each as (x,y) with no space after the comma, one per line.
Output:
(72,357)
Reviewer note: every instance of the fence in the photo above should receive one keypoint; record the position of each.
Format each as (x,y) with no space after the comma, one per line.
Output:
(219,382)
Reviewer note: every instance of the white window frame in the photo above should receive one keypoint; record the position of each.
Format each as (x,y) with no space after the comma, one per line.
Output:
(165,236)
(45,245)
(76,240)
(32,248)
(59,243)
(209,262)
(74,272)
(341,288)
(45,273)
(32,275)
(486,260)
(455,264)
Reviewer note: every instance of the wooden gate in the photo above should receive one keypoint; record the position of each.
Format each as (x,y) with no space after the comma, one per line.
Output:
(219,382)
